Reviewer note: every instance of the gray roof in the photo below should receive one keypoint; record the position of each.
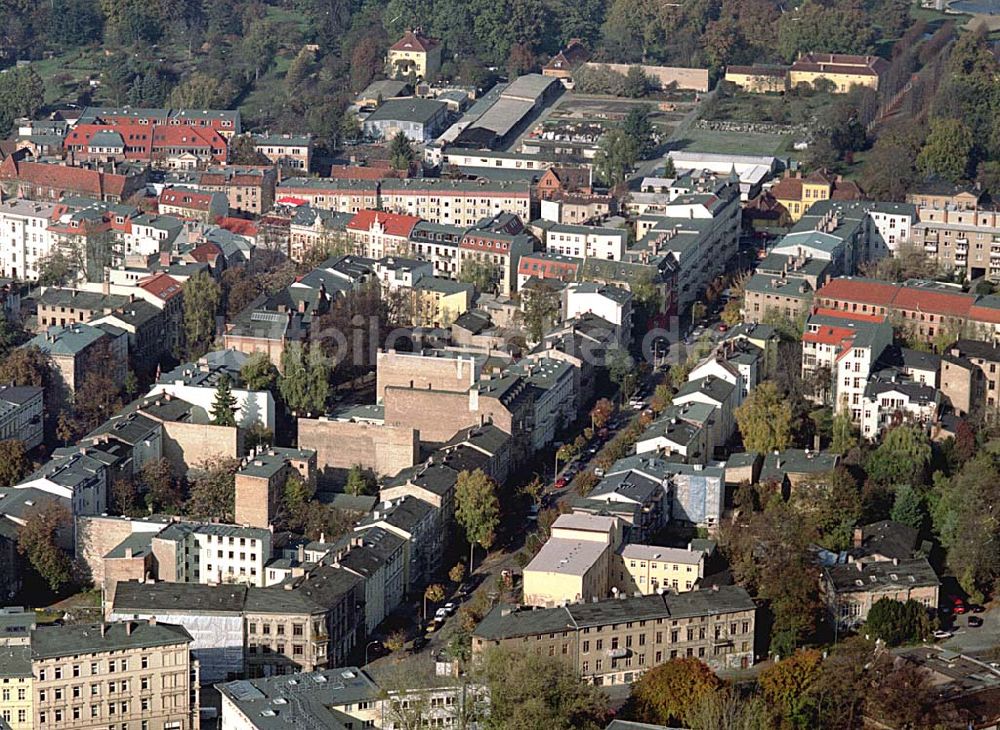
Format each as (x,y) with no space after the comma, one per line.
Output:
(140,543)
(881,575)
(502,622)
(15,661)
(435,477)
(303,700)
(166,598)
(631,485)
(890,539)
(407,110)
(59,641)
(715,388)
(70,340)
(386,88)
(404,515)
(797,461)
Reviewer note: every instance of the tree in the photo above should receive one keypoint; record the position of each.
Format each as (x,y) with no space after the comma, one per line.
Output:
(224,406)
(401,154)
(243,151)
(844,434)
(662,398)
(125,497)
(201,303)
(621,370)
(534,489)
(14,463)
(213,489)
(296,494)
(541,307)
(666,693)
(947,151)
(639,129)
(726,709)
(163,493)
(258,373)
(457,573)
(617,154)
(201,91)
(477,509)
(787,686)
(21,95)
(528,690)
(586,481)
(901,458)
(601,413)
(908,507)
(895,622)
(478,273)
(521,60)
(433,593)
(636,82)
(304,383)
(360,481)
(395,641)
(765,420)
(38,540)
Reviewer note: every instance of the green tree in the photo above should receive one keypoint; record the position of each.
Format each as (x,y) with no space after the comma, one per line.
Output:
(662,398)
(616,155)
(360,481)
(621,370)
(639,129)
(765,420)
(478,273)
(947,151)
(528,690)
(401,153)
(896,622)
(902,457)
(201,303)
(541,307)
(224,406)
(908,507)
(258,372)
(201,91)
(213,489)
(21,95)
(477,509)
(163,493)
(666,693)
(38,540)
(296,494)
(844,434)
(304,384)
(125,498)
(242,151)
(636,82)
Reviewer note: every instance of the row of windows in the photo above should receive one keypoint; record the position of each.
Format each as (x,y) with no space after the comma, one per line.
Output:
(76,670)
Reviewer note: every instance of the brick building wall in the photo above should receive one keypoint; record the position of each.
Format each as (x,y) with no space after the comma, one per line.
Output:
(406,370)
(95,538)
(340,445)
(188,444)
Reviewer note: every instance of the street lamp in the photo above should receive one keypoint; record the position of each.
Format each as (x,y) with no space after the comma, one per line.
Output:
(367,647)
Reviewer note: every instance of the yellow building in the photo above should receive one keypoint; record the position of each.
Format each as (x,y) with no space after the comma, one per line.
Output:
(758,79)
(648,569)
(439,302)
(16,685)
(575,564)
(842,70)
(797,193)
(415,54)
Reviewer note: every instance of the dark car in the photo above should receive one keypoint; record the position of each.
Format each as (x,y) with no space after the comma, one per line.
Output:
(419,643)
(976,608)
(975,622)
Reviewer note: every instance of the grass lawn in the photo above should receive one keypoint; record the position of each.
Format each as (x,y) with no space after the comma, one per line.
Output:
(789,108)
(64,74)
(732,143)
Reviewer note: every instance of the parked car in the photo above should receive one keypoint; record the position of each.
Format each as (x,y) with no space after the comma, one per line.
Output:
(599,472)
(441,614)
(560,483)
(722,327)
(958,605)
(976,608)
(419,643)
(942,634)
(450,607)
(975,622)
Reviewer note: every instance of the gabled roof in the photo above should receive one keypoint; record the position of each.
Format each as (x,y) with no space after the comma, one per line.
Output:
(415,41)
(395,224)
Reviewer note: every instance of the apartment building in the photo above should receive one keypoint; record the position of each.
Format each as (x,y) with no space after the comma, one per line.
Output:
(828,339)
(650,569)
(581,241)
(133,674)
(25,240)
(986,357)
(850,590)
(455,202)
(288,150)
(844,71)
(614,641)
(375,234)
(73,347)
(248,189)
(338,195)
(188,552)
(261,479)
(22,410)
(497,250)
(192,204)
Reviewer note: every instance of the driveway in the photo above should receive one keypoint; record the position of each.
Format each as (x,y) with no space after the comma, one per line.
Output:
(978,641)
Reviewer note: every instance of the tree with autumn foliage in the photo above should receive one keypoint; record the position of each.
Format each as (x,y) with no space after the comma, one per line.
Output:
(788,687)
(38,541)
(601,413)
(668,692)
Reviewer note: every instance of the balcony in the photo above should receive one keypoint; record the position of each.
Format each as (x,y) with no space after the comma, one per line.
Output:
(619,653)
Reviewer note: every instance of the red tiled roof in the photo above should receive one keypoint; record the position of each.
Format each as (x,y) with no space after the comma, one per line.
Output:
(186,199)
(291,200)
(142,141)
(205,253)
(415,41)
(161,285)
(395,224)
(868,291)
(788,188)
(845,190)
(931,301)
(827,335)
(63,177)
(980,313)
(855,316)
(239,226)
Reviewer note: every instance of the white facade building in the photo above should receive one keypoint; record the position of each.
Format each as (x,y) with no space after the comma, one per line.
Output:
(24,236)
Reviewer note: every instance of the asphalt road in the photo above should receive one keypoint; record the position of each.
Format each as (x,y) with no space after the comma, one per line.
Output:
(975,641)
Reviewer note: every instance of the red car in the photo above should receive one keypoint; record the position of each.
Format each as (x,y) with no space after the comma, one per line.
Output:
(560,483)
(957,605)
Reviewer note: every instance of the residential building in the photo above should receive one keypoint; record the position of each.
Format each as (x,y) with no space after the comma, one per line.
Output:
(497,250)
(287,150)
(249,189)
(211,553)
(225,122)
(577,208)
(375,234)
(49,181)
(683,431)
(892,397)
(829,341)
(639,499)
(453,202)
(792,468)
(334,194)
(81,476)
(649,569)
(695,492)
(419,120)
(582,241)
(797,193)
(555,403)
(73,347)
(314,228)
(562,65)
(438,302)
(193,204)
(127,673)
(378,91)
(614,641)
(843,71)
(418,523)
(722,394)
(940,194)
(22,412)
(171,146)
(850,590)
(959,239)
(261,479)
(25,239)
(576,563)
(885,540)
(414,55)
